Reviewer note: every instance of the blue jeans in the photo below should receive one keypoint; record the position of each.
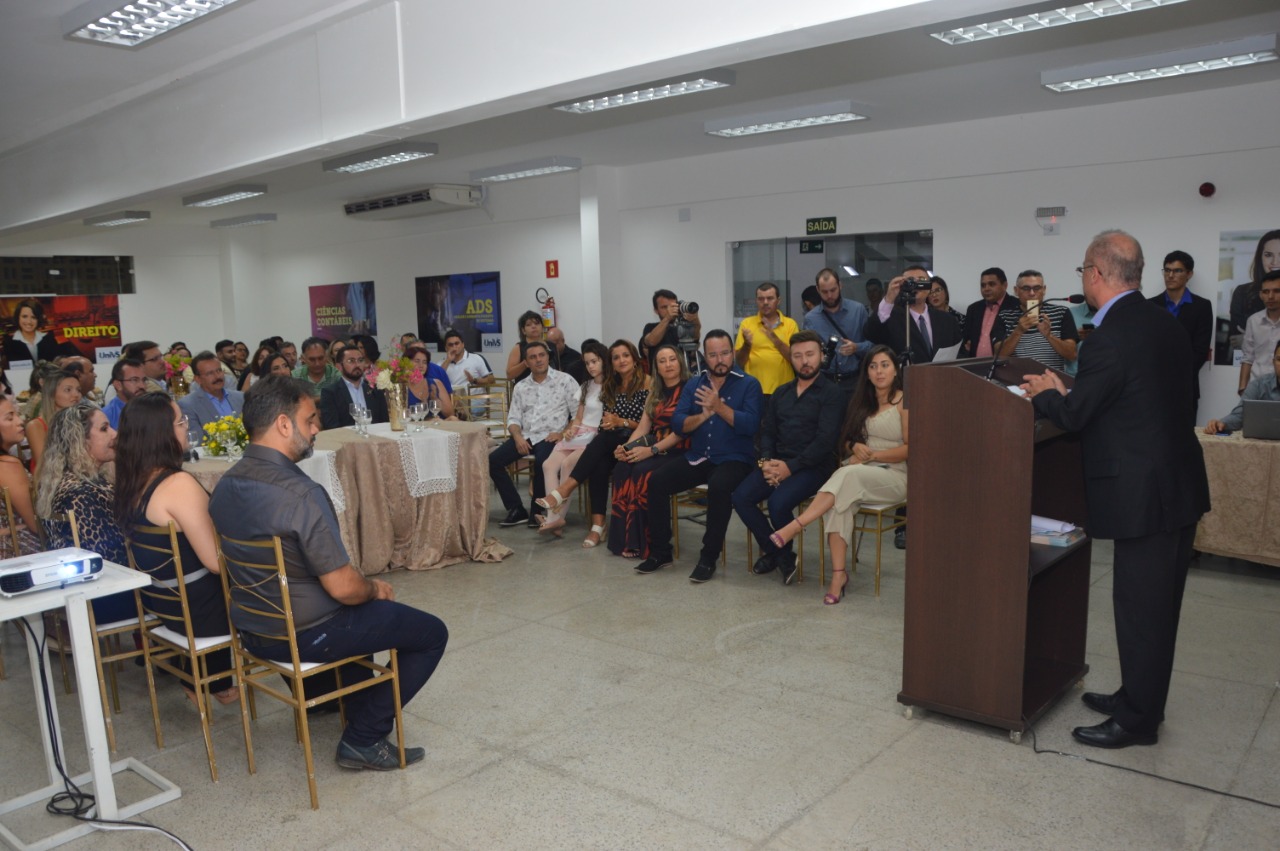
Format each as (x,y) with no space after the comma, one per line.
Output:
(782,501)
(418,637)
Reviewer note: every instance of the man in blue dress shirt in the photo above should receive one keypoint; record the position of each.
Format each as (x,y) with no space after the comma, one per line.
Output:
(845,319)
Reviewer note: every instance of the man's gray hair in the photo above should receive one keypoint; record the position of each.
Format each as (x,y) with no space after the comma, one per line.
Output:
(1119,256)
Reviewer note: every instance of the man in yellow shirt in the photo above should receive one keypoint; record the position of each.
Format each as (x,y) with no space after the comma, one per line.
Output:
(762,348)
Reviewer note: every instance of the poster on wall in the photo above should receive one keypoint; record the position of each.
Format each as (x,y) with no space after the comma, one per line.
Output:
(1244,256)
(47,327)
(470,304)
(340,310)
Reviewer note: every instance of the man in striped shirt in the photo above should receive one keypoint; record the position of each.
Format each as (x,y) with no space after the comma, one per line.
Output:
(1046,334)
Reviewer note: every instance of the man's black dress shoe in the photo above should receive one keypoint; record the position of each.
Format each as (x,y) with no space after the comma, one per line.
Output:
(900,538)
(1107,704)
(786,566)
(767,563)
(515,517)
(535,521)
(1109,734)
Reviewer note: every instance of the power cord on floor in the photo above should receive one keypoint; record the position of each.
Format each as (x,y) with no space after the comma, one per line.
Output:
(1036,748)
(73,801)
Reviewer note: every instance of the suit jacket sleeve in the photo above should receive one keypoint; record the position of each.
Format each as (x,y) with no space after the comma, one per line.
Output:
(333,414)
(1202,333)
(1099,381)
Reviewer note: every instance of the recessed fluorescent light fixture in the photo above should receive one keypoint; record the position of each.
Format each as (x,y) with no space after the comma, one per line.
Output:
(123,217)
(1135,69)
(703,81)
(1050,18)
(529,168)
(814,115)
(394,154)
(134,22)
(243,221)
(225,195)
(852,272)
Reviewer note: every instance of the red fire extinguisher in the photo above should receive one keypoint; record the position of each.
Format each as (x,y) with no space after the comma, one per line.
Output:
(548,307)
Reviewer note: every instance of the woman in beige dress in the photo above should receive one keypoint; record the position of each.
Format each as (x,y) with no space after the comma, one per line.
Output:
(873,466)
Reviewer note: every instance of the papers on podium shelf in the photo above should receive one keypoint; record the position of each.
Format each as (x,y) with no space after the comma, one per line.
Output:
(1048,524)
(1054,533)
(946,354)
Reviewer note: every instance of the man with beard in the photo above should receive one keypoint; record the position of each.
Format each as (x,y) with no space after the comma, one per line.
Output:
(720,410)
(337,397)
(337,612)
(128,380)
(982,319)
(845,319)
(797,453)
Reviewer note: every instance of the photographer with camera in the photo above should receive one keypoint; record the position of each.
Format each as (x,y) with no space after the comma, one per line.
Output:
(931,329)
(841,323)
(678,325)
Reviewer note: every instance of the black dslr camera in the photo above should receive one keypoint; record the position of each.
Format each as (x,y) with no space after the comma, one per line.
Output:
(829,351)
(687,306)
(911,286)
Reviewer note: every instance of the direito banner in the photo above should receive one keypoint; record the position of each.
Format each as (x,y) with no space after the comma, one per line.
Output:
(47,327)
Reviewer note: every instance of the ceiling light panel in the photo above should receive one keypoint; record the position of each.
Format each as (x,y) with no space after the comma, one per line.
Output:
(381,157)
(123,217)
(529,168)
(1051,18)
(704,81)
(134,23)
(226,195)
(815,115)
(1210,57)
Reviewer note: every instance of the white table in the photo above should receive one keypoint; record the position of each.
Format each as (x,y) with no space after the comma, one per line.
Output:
(75,598)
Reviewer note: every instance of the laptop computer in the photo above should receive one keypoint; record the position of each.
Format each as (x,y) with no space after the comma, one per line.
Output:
(1261,419)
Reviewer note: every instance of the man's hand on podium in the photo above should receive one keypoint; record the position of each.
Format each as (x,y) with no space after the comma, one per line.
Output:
(1048,380)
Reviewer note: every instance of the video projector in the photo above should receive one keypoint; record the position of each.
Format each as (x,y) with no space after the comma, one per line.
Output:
(51,569)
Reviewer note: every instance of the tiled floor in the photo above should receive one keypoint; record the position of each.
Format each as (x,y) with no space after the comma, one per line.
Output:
(581,705)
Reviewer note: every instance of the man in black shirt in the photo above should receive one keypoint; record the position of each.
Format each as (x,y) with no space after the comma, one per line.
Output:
(1194,313)
(797,452)
(664,331)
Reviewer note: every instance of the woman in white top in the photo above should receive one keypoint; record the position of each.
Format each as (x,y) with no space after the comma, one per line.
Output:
(873,446)
(579,433)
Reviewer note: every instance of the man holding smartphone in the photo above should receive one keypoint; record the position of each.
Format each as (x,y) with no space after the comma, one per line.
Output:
(1043,332)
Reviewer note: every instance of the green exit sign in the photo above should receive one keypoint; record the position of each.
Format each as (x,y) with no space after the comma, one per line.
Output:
(812,246)
(819,227)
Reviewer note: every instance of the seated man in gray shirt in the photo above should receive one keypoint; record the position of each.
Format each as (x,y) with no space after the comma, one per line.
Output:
(1261,387)
(337,611)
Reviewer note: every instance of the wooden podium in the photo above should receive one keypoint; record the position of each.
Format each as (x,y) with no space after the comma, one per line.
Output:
(994,626)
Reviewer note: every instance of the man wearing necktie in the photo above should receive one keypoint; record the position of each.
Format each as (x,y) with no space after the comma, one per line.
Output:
(931,329)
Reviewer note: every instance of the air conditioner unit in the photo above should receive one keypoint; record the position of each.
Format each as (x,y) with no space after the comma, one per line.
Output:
(441,198)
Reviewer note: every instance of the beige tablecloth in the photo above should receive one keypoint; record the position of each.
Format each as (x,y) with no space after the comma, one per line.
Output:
(1244,488)
(383,527)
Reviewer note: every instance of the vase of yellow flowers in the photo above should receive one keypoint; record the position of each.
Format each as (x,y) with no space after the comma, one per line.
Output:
(225,437)
(391,375)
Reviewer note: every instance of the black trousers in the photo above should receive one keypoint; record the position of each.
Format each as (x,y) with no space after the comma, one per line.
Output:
(595,466)
(1147,584)
(506,455)
(721,479)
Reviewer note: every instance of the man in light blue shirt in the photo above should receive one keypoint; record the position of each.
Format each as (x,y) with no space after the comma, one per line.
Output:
(129,380)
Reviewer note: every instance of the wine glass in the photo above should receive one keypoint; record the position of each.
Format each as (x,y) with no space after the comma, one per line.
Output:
(406,415)
(366,417)
(417,413)
(355,410)
(227,441)
(194,438)
(434,407)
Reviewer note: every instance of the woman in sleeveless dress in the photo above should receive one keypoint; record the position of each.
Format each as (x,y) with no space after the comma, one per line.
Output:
(152,489)
(873,466)
(13,475)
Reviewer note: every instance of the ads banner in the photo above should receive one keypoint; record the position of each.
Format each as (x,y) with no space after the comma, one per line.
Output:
(340,310)
(469,304)
(47,327)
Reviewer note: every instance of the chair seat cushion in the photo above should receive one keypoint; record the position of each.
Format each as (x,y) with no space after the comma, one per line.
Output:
(177,638)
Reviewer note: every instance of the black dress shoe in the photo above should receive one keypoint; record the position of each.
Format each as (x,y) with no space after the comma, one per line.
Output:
(765,564)
(900,538)
(787,567)
(702,571)
(652,564)
(1107,704)
(535,521)
(1109,734)
(515,517)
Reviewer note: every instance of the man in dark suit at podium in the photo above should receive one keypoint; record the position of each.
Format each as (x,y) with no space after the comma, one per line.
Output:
(1144,474)
(931,329)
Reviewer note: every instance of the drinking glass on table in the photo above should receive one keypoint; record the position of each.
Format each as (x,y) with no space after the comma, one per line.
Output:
(194,437)
(357,416)
(434,407)
(417,412)
(366,418)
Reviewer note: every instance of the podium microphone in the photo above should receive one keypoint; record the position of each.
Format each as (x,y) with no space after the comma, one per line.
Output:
(995,362)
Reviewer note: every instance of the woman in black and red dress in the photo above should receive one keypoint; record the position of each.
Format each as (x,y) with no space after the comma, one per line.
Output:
(627,527)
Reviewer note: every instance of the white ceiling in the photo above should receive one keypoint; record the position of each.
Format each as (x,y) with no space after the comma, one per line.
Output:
(903,78)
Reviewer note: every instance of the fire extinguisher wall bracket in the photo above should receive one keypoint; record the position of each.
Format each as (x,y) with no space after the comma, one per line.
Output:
(547,306)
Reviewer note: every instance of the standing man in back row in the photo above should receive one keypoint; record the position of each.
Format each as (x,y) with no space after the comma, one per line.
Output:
(1194,313)
(1042,332)
(844,319)
(762,349)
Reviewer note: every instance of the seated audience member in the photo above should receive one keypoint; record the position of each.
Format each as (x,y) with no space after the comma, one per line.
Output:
(434,383)
(541,408)
(797,453)
(179,349)
(290,352)
(368,345)
(625,392)
(982,319)
(153,366)
(940,299)
(566,358)
(240,360)
(1046,334)
(30,409)
(260,356)
(719,410)
(350,389)
(581,431)
(629,521)
(1260,387)
(82,368)
(316,366)
(71,478)
(152,489)
(810,298)
(930,329)
(1261,332)
(665,332)
(761,349)
(128,380)
(14,477)
(531,331)
(464,369)
(209,400)
(335,351)
(1194,313)
(873,449)
(6,387)
(337,611)
(407,338)
(59,390)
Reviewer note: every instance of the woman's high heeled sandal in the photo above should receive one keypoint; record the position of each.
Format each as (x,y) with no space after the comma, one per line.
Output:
(776,537)
(598,531)
(552,500)
(832,599)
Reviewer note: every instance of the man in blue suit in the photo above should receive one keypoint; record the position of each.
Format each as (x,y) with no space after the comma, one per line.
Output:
(209,400)
(1145,481)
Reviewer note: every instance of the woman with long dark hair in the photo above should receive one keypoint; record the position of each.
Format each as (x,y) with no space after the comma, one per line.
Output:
(628,524)
(13,475)
(151,490)
(623,396)
(940,299)
(434,383)
(257,367)
(873,465)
